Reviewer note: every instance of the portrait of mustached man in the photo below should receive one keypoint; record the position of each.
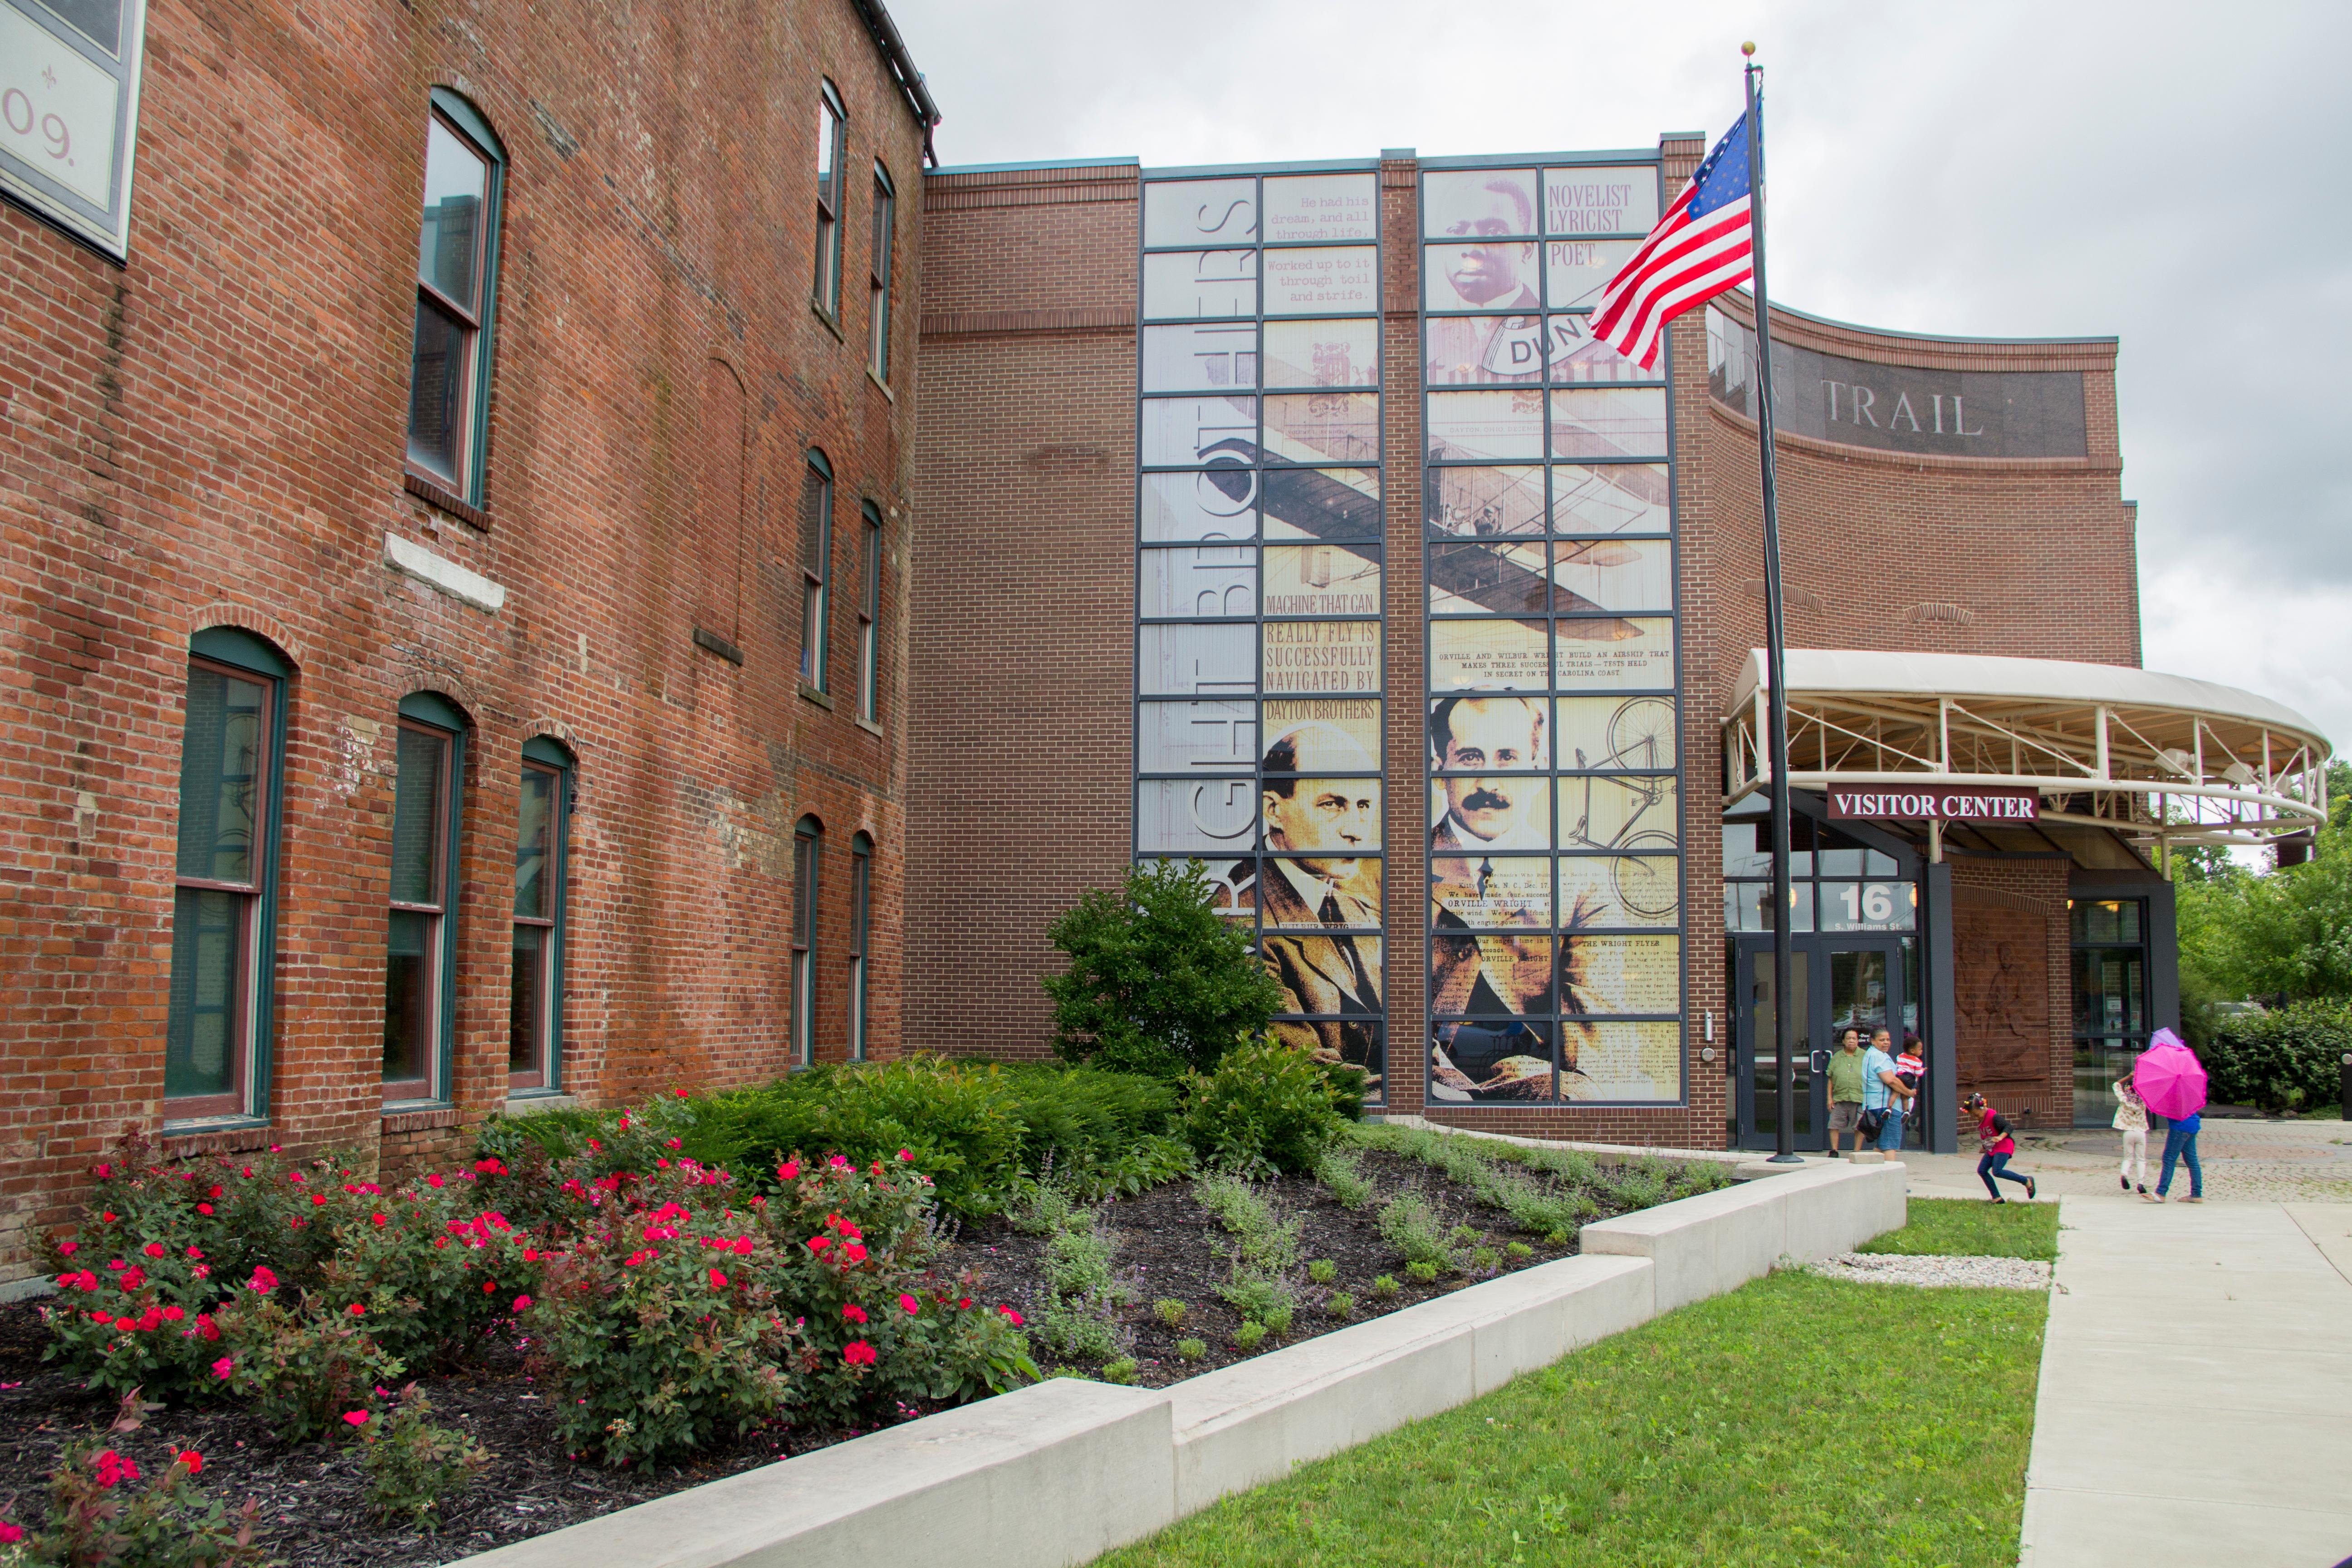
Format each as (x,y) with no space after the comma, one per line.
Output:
(1491,795)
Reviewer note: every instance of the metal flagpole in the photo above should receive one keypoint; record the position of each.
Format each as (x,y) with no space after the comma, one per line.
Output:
(1784,1032)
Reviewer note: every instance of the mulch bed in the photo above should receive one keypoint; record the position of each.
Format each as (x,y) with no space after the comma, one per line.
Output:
(310,1494)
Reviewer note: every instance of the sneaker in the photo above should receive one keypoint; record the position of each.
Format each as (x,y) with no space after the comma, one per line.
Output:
(2124,1181)
(1835,1155)
(2029,1189)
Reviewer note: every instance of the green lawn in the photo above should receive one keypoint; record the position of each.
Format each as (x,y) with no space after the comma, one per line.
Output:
(1749,1429)
(1963,1227)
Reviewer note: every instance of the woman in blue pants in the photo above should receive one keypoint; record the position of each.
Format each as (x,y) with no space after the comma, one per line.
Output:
(2180,1143)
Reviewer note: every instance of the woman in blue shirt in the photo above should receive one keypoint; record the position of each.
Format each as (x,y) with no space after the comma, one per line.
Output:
(2180,1143)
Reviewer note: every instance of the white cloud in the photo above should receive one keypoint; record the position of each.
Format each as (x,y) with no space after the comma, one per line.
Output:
(2158,171)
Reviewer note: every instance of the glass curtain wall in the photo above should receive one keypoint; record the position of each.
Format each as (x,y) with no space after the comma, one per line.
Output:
(1554,800)
(1259,639)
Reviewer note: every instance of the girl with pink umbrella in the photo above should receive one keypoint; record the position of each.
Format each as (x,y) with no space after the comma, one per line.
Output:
(2171,1081)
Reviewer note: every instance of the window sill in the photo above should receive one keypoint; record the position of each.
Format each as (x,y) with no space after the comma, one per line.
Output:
(819,311)
(428,489)
(881,386)
(821,699)
(870,727)
(215,1134)
(531,1101)
(711,642)
(417,1115)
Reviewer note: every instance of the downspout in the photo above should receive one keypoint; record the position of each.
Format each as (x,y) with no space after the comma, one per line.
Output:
(902,66)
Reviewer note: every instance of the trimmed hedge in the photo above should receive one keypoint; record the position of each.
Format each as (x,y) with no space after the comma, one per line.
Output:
(2290,1059)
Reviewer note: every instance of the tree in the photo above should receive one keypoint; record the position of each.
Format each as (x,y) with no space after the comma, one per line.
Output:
(1158,982)
(2285,935)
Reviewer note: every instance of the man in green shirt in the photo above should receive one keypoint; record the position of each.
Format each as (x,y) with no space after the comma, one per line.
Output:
(1845,1089)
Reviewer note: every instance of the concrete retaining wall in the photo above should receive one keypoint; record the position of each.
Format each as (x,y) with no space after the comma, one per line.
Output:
(1058,1473)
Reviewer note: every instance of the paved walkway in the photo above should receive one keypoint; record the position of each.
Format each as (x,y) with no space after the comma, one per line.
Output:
(2248,1161)
(2196,1397)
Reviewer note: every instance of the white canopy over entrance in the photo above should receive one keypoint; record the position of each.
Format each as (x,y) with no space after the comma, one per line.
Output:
(2163,758)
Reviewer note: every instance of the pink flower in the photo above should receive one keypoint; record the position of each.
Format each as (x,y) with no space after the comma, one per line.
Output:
(108,1217)
(291,1175)
(11,1533)
(855,1252)
(263,1280)
(378,1218)
(789,1171)
(195,1252)
(205,1329)
(193,1460)
(126,1324)
(317,1199)
(434,1179)
(742,1247)
(676,1144)
(356,1417)
(819,1243)
(680,1092)
(911,1304)
(104,1171)
(223,1366)
(625,1125)
(204,1208)
(903,1155)
(837,1161)
(154,1249)
(356,1311)
(854,1312)
(718,1280)
(201,1271)
(133,1278)
(522,1304)
(857,1353)
(113,1468)
(1011,1316)
(173,1314)
(69,1248)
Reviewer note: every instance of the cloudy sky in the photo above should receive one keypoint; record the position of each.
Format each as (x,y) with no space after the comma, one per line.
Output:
(2165,174)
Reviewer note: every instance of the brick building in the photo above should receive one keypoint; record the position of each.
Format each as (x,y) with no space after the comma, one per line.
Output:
(465,501)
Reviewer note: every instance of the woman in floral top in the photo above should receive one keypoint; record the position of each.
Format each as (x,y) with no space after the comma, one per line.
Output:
(2131,1121)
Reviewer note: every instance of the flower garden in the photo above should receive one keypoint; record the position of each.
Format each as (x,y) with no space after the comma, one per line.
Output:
(255,1359)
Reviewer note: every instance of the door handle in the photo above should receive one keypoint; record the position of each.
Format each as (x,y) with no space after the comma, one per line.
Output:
(1821,1060)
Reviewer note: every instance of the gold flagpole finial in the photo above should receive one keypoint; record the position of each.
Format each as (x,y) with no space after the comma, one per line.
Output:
(1749,49)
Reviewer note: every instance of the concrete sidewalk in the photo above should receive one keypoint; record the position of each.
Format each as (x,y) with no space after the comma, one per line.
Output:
(2196,1397)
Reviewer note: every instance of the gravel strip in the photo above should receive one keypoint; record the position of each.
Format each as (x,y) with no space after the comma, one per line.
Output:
(1894,1268)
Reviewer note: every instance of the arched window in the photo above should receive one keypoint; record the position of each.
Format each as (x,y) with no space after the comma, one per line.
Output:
(420,993)
(535,1002)
(816,556)
(826,289)
(224,895)
(861,907)
(808,843)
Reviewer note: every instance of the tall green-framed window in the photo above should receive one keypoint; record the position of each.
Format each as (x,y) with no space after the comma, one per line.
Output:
(877,280)
(861,910)
(869,616)
(2112,1022)
(808,843)
(225,878)
(535,1000)
(816,556)
(456,282)
(825,290)
(420,1000)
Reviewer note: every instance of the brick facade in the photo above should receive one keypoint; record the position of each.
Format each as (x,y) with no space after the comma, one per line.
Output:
(213,435)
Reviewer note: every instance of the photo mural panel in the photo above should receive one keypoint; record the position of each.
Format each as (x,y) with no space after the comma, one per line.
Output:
(1259,636)
(1557,964)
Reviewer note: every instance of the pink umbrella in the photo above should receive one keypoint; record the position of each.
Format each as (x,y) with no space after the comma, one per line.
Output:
(2170,1077)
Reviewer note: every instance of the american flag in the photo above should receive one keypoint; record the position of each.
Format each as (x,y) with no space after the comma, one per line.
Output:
(1699,249)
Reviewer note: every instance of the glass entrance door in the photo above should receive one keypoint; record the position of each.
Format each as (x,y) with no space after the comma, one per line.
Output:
(1758,1049)
(1838,981)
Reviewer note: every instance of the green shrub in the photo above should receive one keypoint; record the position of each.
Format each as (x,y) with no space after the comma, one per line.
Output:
(1169,1311)
(2290,1059)
(1340,1304)
(1123,1370)
(97,1518)
(1250,1335)
(1158,982)
(1422,1273)
(1412,1227)
(1267,1106)
(1278,1317)
(1322,1271)
(305,1368)
(1192,1350)
(1340,1171)
(1519,1251)
(1385,1286)
(413,1465)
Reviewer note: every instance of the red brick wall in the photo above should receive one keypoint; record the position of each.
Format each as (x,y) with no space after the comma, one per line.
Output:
(2012,968)
(214,435)
(1019,789)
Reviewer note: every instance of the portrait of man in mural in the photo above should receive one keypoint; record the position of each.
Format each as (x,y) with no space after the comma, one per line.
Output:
(1320,888)
(1506,804)
(1497,981)
(1488,274)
